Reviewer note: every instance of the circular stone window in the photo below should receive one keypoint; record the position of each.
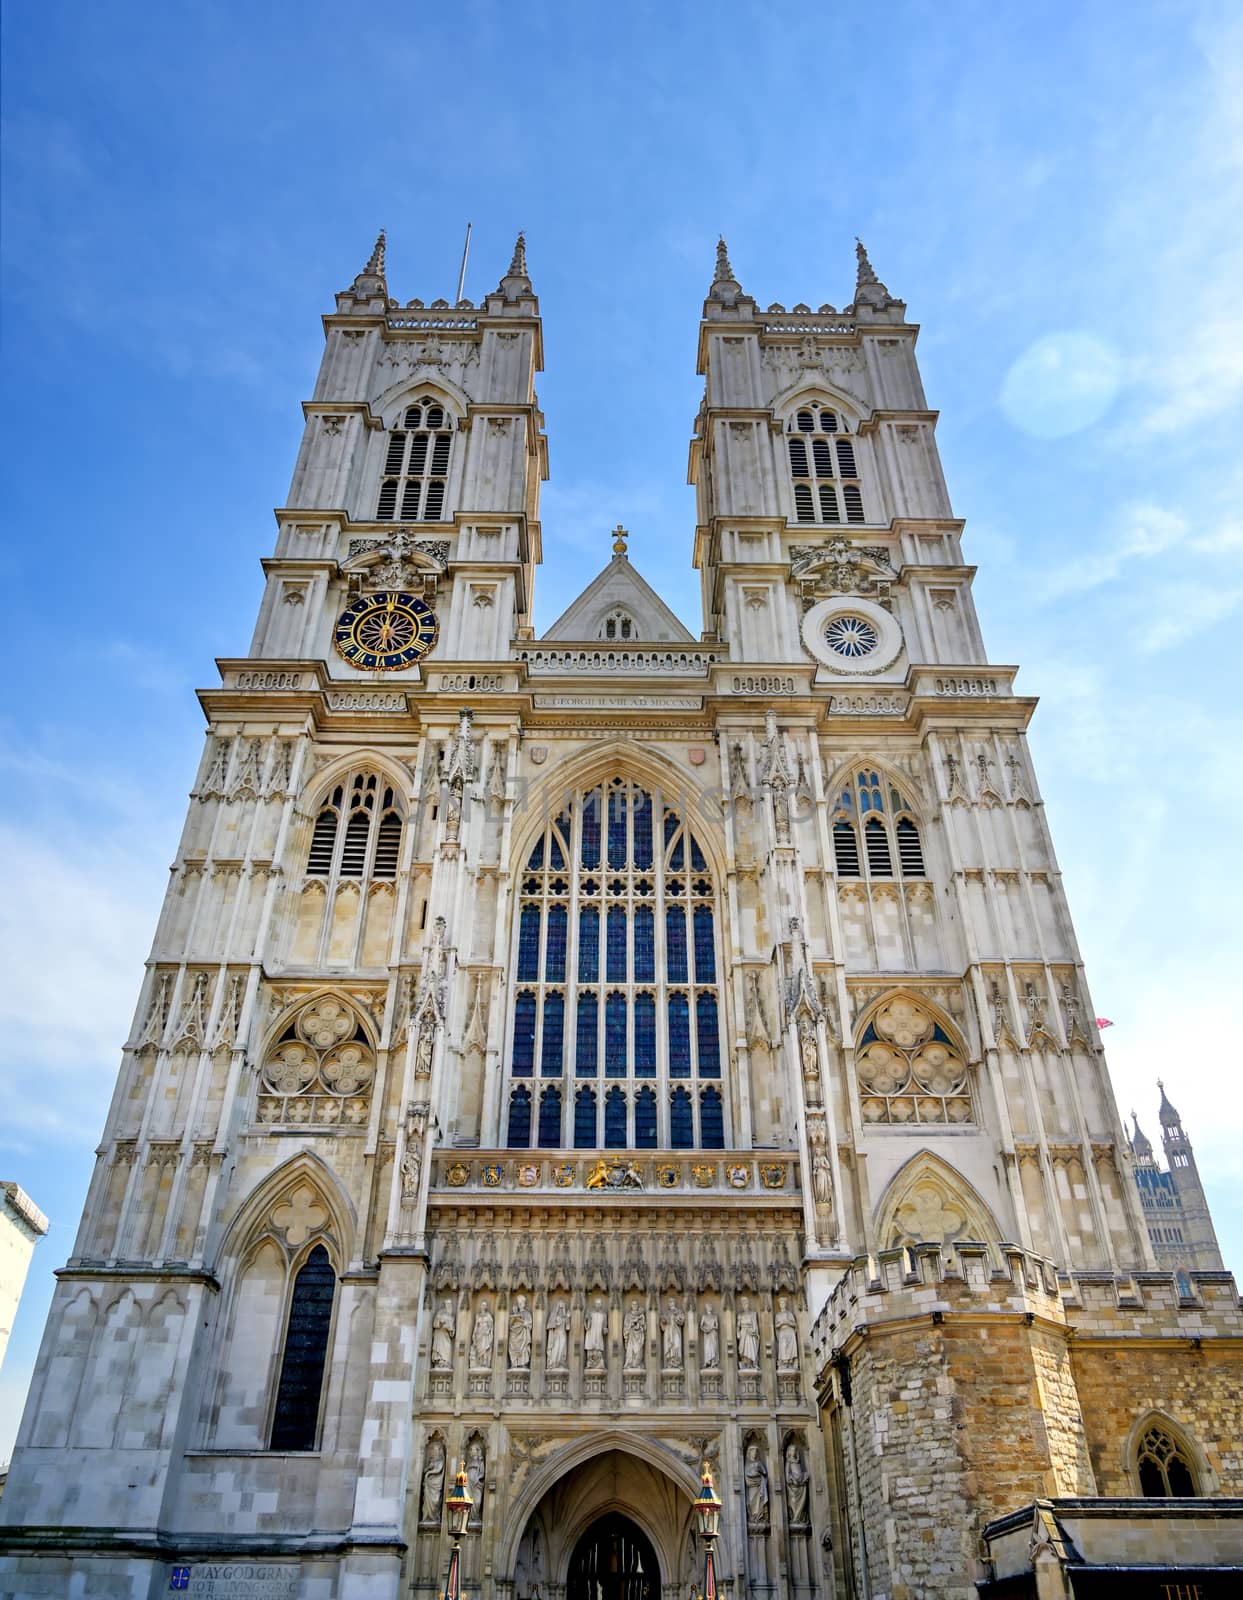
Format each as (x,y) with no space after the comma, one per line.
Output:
(851,636)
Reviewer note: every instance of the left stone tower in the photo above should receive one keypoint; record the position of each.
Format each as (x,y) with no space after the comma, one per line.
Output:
(235,1332)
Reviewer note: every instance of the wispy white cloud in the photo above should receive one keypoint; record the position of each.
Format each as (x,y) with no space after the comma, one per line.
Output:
(1186,609)
(1144,531)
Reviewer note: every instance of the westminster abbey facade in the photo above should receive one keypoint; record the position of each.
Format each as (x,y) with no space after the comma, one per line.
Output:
(578,1058)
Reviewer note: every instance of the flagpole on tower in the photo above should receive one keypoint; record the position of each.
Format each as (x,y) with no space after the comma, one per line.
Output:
(461,277)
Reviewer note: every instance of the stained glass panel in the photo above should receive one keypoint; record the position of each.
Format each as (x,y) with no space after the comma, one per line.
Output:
(585,1119)
(679,1037)
(615,1119)
(645,1036)
(586,1063)
(681,1121)
(590,849)
(642,831)
(708,1035)
(711,1121)
(588,945)
(528,945)
(554,1036)
(645,1119)
(524,1035)
(615,1036)
(705,946)
(554,958)
(519,1119)
(550,1119)
(616,945)
(675,945)
(296,1419)
(644,945)
(617,828)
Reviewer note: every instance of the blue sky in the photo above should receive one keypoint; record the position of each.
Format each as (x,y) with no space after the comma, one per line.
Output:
(1055,194)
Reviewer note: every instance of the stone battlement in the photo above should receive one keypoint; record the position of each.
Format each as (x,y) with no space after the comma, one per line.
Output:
(927,1279)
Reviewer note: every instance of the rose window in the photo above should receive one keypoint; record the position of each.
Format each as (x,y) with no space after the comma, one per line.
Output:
(909,1070)
(851,636)
(319,1070)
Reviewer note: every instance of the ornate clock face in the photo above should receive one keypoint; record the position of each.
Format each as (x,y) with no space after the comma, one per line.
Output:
(385,632)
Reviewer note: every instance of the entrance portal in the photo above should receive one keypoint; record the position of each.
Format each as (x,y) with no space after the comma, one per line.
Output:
(614,1560)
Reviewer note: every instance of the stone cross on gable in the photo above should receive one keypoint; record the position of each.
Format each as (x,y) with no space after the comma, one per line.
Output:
(619,540)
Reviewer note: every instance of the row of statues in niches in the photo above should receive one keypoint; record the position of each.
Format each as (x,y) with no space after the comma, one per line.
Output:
(674,1317)
(795,1478)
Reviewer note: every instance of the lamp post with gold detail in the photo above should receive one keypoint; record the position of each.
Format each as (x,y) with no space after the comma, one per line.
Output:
(458,1503)
(708,1510)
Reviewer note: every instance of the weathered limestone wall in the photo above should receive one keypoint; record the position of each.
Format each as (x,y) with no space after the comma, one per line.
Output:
(1138,1350)
(962,1406)
(955,1391)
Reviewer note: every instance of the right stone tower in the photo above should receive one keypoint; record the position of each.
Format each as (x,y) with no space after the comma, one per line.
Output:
(918,866)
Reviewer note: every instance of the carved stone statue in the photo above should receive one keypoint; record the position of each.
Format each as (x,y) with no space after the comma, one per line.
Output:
(556,1344)
(596,1333)
(671,1324)
(808,1049)
(755,1478)
(786,1324)
(482,1336)
(822,1178)
(709,1340)
(796,1485)
(433,1480)
(411,1172)
(444,1326)
(423,1049)
(747,1324)
(634,1335)
(476,1474)
(520,1335)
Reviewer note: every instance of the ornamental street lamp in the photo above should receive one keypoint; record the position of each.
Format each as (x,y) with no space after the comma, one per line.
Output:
(459,1505)
(708,1510)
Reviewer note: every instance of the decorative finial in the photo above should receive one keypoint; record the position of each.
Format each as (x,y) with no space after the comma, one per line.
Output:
(865,272)
(619,540)
(724,271)
(375,265)
(518,266)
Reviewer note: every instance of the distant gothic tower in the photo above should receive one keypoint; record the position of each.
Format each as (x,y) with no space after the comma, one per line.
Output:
(588,1056)
(1175,1207)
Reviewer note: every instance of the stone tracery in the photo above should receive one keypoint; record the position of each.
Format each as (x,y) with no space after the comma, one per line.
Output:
(320,1067)
(909,1069)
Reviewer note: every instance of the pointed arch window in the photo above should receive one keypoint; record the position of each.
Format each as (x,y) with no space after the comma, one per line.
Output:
(823,470)
(295,1420)
(618,970)
(416,465)
(875,832)
(619,627)
(1163,1464)
(357,830)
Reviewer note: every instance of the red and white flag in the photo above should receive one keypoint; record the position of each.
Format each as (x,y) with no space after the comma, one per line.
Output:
(1103,1022)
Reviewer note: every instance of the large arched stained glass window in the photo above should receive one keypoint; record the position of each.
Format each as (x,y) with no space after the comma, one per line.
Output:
(616,999)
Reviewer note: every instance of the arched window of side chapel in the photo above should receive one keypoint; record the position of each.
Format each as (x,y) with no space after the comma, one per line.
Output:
(616,1031)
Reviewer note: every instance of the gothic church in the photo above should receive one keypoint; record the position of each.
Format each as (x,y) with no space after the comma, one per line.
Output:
(587,1056)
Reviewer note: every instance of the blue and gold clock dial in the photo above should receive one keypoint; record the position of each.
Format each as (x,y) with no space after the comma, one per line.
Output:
(385,632)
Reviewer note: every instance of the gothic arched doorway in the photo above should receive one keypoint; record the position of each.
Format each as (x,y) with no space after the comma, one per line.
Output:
(614,1560)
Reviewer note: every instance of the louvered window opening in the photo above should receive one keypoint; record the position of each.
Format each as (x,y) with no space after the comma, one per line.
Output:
(617,1004)
(875,833)
(357,831)
(823,467)
(416,466)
